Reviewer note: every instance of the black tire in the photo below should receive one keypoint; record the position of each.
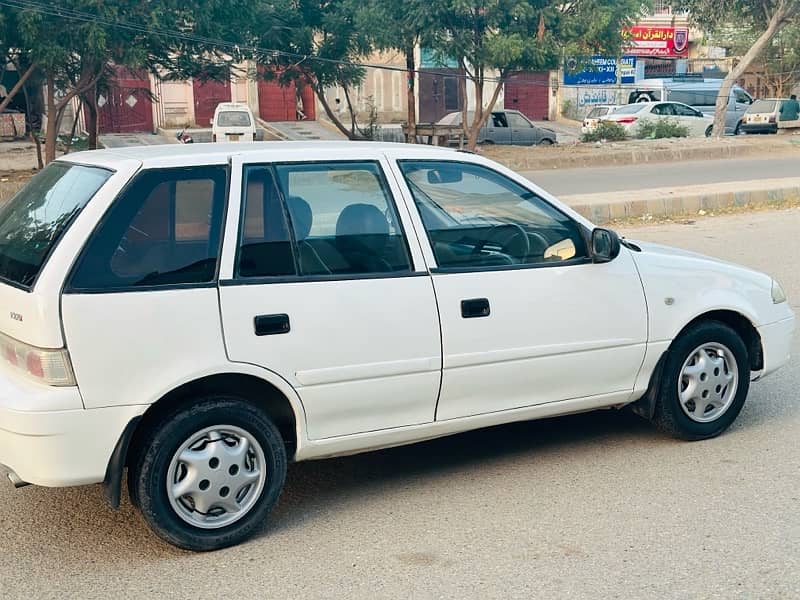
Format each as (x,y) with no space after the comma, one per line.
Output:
(148,476)
(738,130)
(546,142)
(669,416)
(709,130)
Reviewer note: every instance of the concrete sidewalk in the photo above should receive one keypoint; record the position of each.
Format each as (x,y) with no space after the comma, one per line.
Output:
(684,200)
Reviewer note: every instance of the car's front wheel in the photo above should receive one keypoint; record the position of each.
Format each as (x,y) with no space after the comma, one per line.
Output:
(704,383)
(209,474)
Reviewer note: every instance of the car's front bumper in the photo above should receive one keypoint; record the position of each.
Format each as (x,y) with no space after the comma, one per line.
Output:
(776,342)
(51,446)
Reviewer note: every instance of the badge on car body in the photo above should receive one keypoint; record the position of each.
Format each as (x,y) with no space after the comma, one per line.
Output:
(16,317)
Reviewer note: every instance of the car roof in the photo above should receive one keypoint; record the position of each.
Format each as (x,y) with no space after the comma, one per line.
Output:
(172,154)
(232,106)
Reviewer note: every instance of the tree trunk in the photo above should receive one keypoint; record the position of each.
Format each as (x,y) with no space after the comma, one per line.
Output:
(411,138)
(51,131)
(17,87)
(90,102)
(34,135)
(484,116)
(74,127)
(320,92)
(776,23)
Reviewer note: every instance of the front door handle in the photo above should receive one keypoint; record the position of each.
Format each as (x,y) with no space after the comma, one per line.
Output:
(475,307)
(271,324)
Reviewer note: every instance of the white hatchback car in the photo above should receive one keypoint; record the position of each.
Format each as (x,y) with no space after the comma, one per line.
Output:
(233,122)
(203,315)
(632,116)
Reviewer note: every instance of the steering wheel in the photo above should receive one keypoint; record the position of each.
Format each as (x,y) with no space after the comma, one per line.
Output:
(502,235)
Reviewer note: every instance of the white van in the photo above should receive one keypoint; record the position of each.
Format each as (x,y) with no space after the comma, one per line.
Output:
(233,122)
(698,93)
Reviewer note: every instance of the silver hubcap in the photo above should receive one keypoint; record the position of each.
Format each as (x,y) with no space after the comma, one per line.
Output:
(216,476)
(708,382)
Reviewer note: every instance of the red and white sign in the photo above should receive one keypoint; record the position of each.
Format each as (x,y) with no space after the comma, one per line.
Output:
(658,41)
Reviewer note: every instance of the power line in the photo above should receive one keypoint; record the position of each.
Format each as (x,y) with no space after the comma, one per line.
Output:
(82,16)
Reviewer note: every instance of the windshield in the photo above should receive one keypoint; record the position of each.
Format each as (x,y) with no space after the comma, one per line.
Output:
(231,118)
(32,222)
(762,106)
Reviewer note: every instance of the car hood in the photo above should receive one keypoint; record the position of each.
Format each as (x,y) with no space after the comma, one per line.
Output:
(652,252)
(680,285)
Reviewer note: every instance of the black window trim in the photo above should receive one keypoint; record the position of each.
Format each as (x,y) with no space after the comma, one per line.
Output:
(585,233)
(237,279)
(67,287)
(30,288)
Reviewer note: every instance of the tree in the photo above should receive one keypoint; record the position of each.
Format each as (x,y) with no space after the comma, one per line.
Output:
(503,36)
(321,46)
(397,25)
(767,18)
(779,62)
(74,42)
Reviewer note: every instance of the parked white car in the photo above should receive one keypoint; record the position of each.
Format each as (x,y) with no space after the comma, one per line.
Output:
(632,116)
(206,314)
(593,117)
(233,122)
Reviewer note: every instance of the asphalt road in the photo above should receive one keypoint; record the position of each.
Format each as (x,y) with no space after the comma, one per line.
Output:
(598,505)
(663,175)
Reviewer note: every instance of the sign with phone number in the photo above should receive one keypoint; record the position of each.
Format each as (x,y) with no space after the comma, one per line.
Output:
(601,70)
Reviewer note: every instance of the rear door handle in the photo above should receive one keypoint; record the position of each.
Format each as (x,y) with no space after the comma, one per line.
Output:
(271,324)
(475,307)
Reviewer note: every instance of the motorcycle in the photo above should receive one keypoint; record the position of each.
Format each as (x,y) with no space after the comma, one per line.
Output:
(183,137)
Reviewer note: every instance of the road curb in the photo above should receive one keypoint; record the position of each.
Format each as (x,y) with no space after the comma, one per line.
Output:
(682,202)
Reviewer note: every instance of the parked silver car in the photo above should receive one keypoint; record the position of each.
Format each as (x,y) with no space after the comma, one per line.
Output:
(506,127)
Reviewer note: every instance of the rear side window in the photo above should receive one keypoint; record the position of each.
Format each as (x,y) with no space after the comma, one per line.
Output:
(164,229)
(33,221)
(319,219)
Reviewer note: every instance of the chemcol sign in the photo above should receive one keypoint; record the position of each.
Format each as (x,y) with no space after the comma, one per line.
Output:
(658,41)
(602,70)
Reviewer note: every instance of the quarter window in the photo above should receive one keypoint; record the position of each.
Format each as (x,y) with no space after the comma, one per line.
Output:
(320,219)
(475,217)
(163,230)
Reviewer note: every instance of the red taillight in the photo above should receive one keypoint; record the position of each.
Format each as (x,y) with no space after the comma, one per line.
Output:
(626,120)
(34,365)
(10,354)
(772,119)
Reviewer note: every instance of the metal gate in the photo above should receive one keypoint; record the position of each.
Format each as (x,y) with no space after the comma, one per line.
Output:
(439,94)
(127,106)
(207,94)
(529,93)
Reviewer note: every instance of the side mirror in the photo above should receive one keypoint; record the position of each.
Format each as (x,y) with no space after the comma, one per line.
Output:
(605,245)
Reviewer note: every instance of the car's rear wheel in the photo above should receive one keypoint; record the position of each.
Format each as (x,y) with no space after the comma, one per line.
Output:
(709,130)
(546,142)
(738,129)
(704,383)
(209,474)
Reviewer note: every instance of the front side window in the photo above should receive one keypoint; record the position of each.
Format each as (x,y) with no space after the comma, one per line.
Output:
(308,219)
(686,111)
(164,229)
(475,217)
(33,221)
(742,97)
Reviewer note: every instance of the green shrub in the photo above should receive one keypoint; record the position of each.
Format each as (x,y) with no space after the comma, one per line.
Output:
(569,110)
(662,128)
(606,131)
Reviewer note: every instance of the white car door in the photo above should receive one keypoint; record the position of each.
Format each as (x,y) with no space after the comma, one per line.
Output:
(692,119)
(322,285)
(527,318)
